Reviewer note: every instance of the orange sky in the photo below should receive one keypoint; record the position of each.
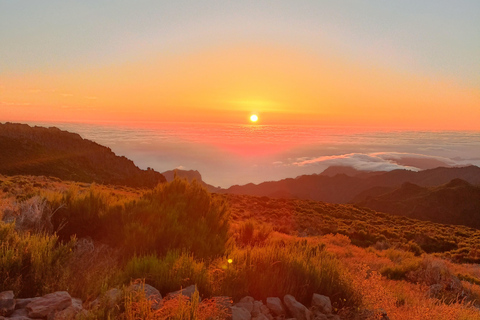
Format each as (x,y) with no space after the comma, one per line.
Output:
(227,84)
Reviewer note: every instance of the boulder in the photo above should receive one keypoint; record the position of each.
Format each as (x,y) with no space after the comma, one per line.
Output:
(320,316)
(297,310)
(247,303)
(261,316)
(322,303)
(22,303)
(70,312)
(7,303)
(49,304)
(240,313)
(187,292)
(151,294)
(275,305)
(19,314)
(110,299)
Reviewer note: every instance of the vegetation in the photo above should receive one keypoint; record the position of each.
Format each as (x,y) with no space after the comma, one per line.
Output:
(87,239)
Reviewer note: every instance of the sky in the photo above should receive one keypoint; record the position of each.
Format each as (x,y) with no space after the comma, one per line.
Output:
(397,64)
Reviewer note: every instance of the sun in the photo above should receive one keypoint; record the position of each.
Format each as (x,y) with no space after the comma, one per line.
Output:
(254,118)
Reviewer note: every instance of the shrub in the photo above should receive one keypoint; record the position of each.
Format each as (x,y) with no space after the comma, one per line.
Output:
(177,215)
(297,268)
(31,264)
(169,273)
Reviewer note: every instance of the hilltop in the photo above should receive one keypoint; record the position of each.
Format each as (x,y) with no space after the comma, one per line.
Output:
(52,152)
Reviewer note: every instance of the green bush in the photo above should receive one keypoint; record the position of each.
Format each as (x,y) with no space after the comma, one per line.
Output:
(177,215)
(297,268)
(169,273)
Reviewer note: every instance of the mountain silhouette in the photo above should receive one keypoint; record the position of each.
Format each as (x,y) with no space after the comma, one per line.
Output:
(343,185)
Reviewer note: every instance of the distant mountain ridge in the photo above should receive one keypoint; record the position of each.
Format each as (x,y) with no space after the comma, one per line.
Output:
(456,202)
(27,150)
(338,187)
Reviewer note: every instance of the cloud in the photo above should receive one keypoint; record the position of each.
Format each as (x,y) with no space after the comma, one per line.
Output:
(380,161)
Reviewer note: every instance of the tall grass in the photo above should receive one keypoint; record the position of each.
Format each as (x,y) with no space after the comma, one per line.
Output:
(298,268)
(32,264)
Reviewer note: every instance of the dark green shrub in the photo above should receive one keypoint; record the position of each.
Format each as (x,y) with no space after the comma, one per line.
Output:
(177,215)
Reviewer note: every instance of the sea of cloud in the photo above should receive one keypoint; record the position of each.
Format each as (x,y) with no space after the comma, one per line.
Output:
(233,154)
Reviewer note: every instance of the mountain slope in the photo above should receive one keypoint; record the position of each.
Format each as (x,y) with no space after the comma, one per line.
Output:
(457,202)
(52,152)
(342,188)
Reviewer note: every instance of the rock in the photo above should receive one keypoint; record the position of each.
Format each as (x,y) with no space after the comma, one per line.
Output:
(7,303)
(333,317)
(151,294)
(320,316)
(257,305)
(240,313)
(247,303)
(70,312)
(187,292)
(322,303)
(261,316)
(49,304)
(110,299)
(297,309)
(19,314)
(22,303)
(275,306)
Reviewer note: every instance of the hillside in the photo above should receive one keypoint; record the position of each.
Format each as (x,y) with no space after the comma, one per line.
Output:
(457,202)
(52,152)
(372,265)
(343,185)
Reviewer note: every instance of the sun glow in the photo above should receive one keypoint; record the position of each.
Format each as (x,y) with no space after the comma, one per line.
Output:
(253,118)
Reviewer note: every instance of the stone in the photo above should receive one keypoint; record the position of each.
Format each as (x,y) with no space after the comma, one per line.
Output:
(49,304)
(187,292)
(275,305)
(322,303)
(257,308)
(19,314)
(297,310)
(320,316)
(22,303)
(7,303)
(110,299)
(247,303)
(240,313)
(151,294)
(70,312)
(261,316)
